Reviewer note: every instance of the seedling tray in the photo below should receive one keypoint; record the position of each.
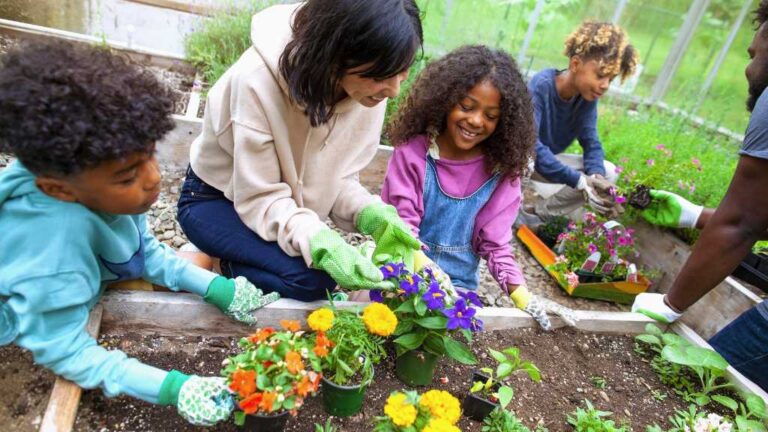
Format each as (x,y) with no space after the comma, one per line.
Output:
(618,291)
(754,270)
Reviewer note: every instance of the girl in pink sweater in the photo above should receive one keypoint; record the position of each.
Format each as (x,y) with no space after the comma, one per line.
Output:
(462,141)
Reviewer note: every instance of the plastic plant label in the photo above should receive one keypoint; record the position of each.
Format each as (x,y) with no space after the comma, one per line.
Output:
(632,273)
(591,263)
(609,266)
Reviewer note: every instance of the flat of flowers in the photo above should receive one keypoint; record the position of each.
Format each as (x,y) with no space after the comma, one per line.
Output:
(26,388)
(569,360)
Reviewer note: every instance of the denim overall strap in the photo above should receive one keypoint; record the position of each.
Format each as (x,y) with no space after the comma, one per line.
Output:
(447,227)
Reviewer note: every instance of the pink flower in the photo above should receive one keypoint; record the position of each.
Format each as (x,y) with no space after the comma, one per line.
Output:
(612,252)
(572,279)
(696,163)
(619,169)
(592,248)
(692,188)
(650,162)
(620,199)
(625,241)
(560,259)
(661,147)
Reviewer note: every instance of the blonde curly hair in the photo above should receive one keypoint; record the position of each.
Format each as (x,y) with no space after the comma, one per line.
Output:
(606,43)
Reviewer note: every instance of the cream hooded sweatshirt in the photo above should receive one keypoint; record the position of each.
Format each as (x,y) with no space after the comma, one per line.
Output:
(284,176)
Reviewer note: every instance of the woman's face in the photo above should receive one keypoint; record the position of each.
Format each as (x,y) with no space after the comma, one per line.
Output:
(370,91)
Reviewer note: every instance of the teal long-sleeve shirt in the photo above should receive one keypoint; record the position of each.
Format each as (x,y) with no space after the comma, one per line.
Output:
(55,261)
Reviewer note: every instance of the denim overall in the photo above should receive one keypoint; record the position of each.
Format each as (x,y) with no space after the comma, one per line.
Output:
(447,227)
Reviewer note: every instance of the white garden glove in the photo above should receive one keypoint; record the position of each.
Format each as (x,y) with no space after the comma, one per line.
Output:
(598,192)
(653,306)
(538,307)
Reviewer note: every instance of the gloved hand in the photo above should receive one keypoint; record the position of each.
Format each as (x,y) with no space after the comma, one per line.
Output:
(598,192)
(393,237)
(238,298)
(671,210)
(200,401)
(422,262)
(653,306)
(538,307)
(345,264)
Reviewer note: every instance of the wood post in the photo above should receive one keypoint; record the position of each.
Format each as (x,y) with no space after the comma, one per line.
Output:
(62,405)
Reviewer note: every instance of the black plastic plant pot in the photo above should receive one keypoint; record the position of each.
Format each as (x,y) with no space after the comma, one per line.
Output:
(475,406)
(753,269)
(342,401)
(266,423)
(588,277)
(547,238)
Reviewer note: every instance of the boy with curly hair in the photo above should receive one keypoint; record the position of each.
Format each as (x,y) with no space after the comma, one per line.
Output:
(565,107)
(83,124)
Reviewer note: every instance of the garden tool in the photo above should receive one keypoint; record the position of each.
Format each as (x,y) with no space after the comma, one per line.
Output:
(345,264)
(393,237)
(655,306)
(202,401)
(671,210)
(238,298)
(538,307)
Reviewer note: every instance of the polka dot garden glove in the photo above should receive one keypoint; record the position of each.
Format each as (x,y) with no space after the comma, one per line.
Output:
(671,210)
(538,307)
(344,263)
(202,401)
(394,240)
(238,298)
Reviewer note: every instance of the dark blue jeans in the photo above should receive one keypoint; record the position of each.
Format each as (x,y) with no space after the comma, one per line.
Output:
(211,223)
(744,343)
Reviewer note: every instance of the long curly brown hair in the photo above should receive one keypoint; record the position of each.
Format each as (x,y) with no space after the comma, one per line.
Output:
(446,81)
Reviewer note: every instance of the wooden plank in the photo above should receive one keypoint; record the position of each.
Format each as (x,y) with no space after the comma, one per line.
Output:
(194,97)
(741,382)
(181,6)
(62,405)
(147,56)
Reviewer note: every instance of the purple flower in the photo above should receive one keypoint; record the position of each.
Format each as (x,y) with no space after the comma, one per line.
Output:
(376,296)
(650,162)
(410,284)
(619,169)
(460,316)
(620,199)
(625,241)
(477,325)
(471,297)
(392,270)
(434,297)
(592,248)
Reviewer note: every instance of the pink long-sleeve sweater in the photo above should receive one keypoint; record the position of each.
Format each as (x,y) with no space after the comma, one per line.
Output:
(404,187)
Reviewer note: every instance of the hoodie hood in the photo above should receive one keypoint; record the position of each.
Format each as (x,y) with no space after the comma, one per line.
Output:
(16,181)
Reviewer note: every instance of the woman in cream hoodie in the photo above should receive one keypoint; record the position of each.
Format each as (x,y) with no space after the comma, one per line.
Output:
(286,131)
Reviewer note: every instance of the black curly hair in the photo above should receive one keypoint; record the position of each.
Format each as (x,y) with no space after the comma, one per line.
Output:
(68,107)
(760,15)
(446,81)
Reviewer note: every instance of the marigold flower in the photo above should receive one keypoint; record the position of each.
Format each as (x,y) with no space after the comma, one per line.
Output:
(441,405)
(243,382)
(291,325)
(261,335)
(293,362)
(440,425)
(321,319)
(267,401)
(399,410)
(250,404)
(379,319)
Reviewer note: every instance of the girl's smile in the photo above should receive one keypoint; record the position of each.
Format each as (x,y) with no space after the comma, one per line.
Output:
(470,122)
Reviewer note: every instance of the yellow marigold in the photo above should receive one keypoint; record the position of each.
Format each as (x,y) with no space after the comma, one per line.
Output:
(441,405)
(440,425)
(379,320)
(321,319)
(399,410)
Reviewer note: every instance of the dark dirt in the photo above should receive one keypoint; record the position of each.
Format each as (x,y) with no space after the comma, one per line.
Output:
(640,198)
(568,360)
(26,390)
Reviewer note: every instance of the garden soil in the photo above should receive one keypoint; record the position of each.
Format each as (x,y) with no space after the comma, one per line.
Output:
(569,361)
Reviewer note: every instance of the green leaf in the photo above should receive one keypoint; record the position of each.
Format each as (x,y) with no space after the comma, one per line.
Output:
(404,326)
(653,329)
(434,344)
(458,351)
(289,403)
(476,387)
(503,370)
(702,399)
(433,323)
(694,356)
(673,339)
(756,405)
(486,370)
(420,306)
(741,424)
(505,396)
(649,339)
(405,307)
(513,352)
(467,333)
(755,426)
(239,418)
(497,355)
(533,372)
(411,341)
(727,402)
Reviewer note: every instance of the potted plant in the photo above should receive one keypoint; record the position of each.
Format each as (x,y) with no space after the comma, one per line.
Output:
(489,391)
(550,231)
(348,352)
(435,410)
(428,316)
(272,375)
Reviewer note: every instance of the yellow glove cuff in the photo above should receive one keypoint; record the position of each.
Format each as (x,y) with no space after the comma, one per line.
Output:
(521,296)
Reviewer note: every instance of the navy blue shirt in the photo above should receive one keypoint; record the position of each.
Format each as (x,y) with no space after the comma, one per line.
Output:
(558,123)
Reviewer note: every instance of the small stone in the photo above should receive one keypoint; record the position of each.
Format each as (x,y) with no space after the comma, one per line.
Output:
(174,190)
(626,411)
(178,241)
(555,348)
(165,216)
(579,390)
(168,235)
(604,396)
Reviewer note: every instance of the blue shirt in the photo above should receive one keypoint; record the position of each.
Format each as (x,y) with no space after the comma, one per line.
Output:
(57,258)
(558,123)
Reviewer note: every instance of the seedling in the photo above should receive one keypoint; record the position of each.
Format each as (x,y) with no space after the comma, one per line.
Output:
(327,427)
(659,395)
(599,382)
(593,420)
(749,416)
(501,420)
(509,363)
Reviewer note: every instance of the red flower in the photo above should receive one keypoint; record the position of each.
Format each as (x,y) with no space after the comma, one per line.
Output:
(251,404)
(261,335)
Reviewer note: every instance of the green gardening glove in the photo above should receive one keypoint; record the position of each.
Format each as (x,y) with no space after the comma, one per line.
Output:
(394,240)
(671,210)
(345,264)
(238,298)
(200,401)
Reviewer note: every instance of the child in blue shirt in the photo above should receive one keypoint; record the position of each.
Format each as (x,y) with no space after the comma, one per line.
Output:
(83,123)
(565,108)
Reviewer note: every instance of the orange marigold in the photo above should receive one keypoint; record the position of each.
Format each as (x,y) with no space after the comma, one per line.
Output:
(243,382)
(291,325)
(261,335)
(322,343)
(293,362)
(267,401)
(251,404)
